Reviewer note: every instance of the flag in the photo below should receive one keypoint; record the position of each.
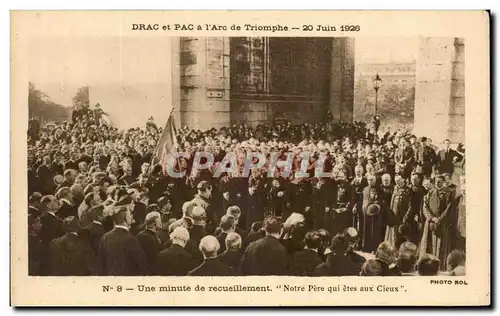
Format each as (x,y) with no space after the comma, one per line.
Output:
(167,144)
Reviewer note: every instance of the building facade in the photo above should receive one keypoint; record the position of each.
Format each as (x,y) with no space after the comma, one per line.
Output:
(220,81)
(231,80)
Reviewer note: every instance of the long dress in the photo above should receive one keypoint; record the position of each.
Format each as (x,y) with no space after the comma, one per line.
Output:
(373,226)
(438,203)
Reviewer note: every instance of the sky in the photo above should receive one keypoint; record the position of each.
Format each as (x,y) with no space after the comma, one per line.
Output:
(131,76)
(385,49)
(122,73)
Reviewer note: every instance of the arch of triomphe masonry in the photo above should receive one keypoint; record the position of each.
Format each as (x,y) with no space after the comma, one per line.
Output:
(219,81)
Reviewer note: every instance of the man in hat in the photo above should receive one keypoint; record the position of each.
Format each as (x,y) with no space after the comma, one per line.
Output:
(266,256)
(211,266)
(71,254)
(120,253)
(437,210)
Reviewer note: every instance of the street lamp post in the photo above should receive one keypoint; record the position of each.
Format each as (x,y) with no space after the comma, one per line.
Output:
(377,82)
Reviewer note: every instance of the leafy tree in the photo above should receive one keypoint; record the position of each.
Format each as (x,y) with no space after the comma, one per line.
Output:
(81,98)
(41,107)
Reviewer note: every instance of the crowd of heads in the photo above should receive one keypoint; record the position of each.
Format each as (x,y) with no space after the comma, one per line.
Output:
(86,171)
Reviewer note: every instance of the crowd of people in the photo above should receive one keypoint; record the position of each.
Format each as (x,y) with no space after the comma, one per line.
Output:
(100,203)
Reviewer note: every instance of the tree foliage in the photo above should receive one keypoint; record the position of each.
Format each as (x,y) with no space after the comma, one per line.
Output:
(81,97)
(394,101)
(41,107)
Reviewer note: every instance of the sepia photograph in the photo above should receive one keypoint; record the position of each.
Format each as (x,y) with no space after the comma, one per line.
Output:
(232,156)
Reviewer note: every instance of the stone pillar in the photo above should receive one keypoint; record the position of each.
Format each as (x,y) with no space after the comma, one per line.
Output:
(204,82)
(342,79)
(176,80)
(440,89)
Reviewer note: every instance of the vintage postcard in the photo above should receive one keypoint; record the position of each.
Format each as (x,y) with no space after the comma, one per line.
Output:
(250,158)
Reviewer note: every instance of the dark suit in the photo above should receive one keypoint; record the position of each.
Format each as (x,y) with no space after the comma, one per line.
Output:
(67,210)
(36,253)
(150,243)
(231,257)
(139,217)
(65,183)
(34,211)
(266,256)
(459,221)
(121,254)
(196,233)
(93,232)
(51,227)
(426,156)
(191,248)
(320,199)
(212,267)
(253,210)
(71,255)
(126,180)
(221,237)
(71,165)
(45,180)
(173,261)
(252,236)
(336,266)
(357,260)
(404,158)
(445,160)
(304,262)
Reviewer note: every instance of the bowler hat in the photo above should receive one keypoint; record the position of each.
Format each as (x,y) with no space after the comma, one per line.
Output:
(372,209)
(404,229)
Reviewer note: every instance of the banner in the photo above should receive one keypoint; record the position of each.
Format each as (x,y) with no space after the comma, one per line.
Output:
(166,144)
